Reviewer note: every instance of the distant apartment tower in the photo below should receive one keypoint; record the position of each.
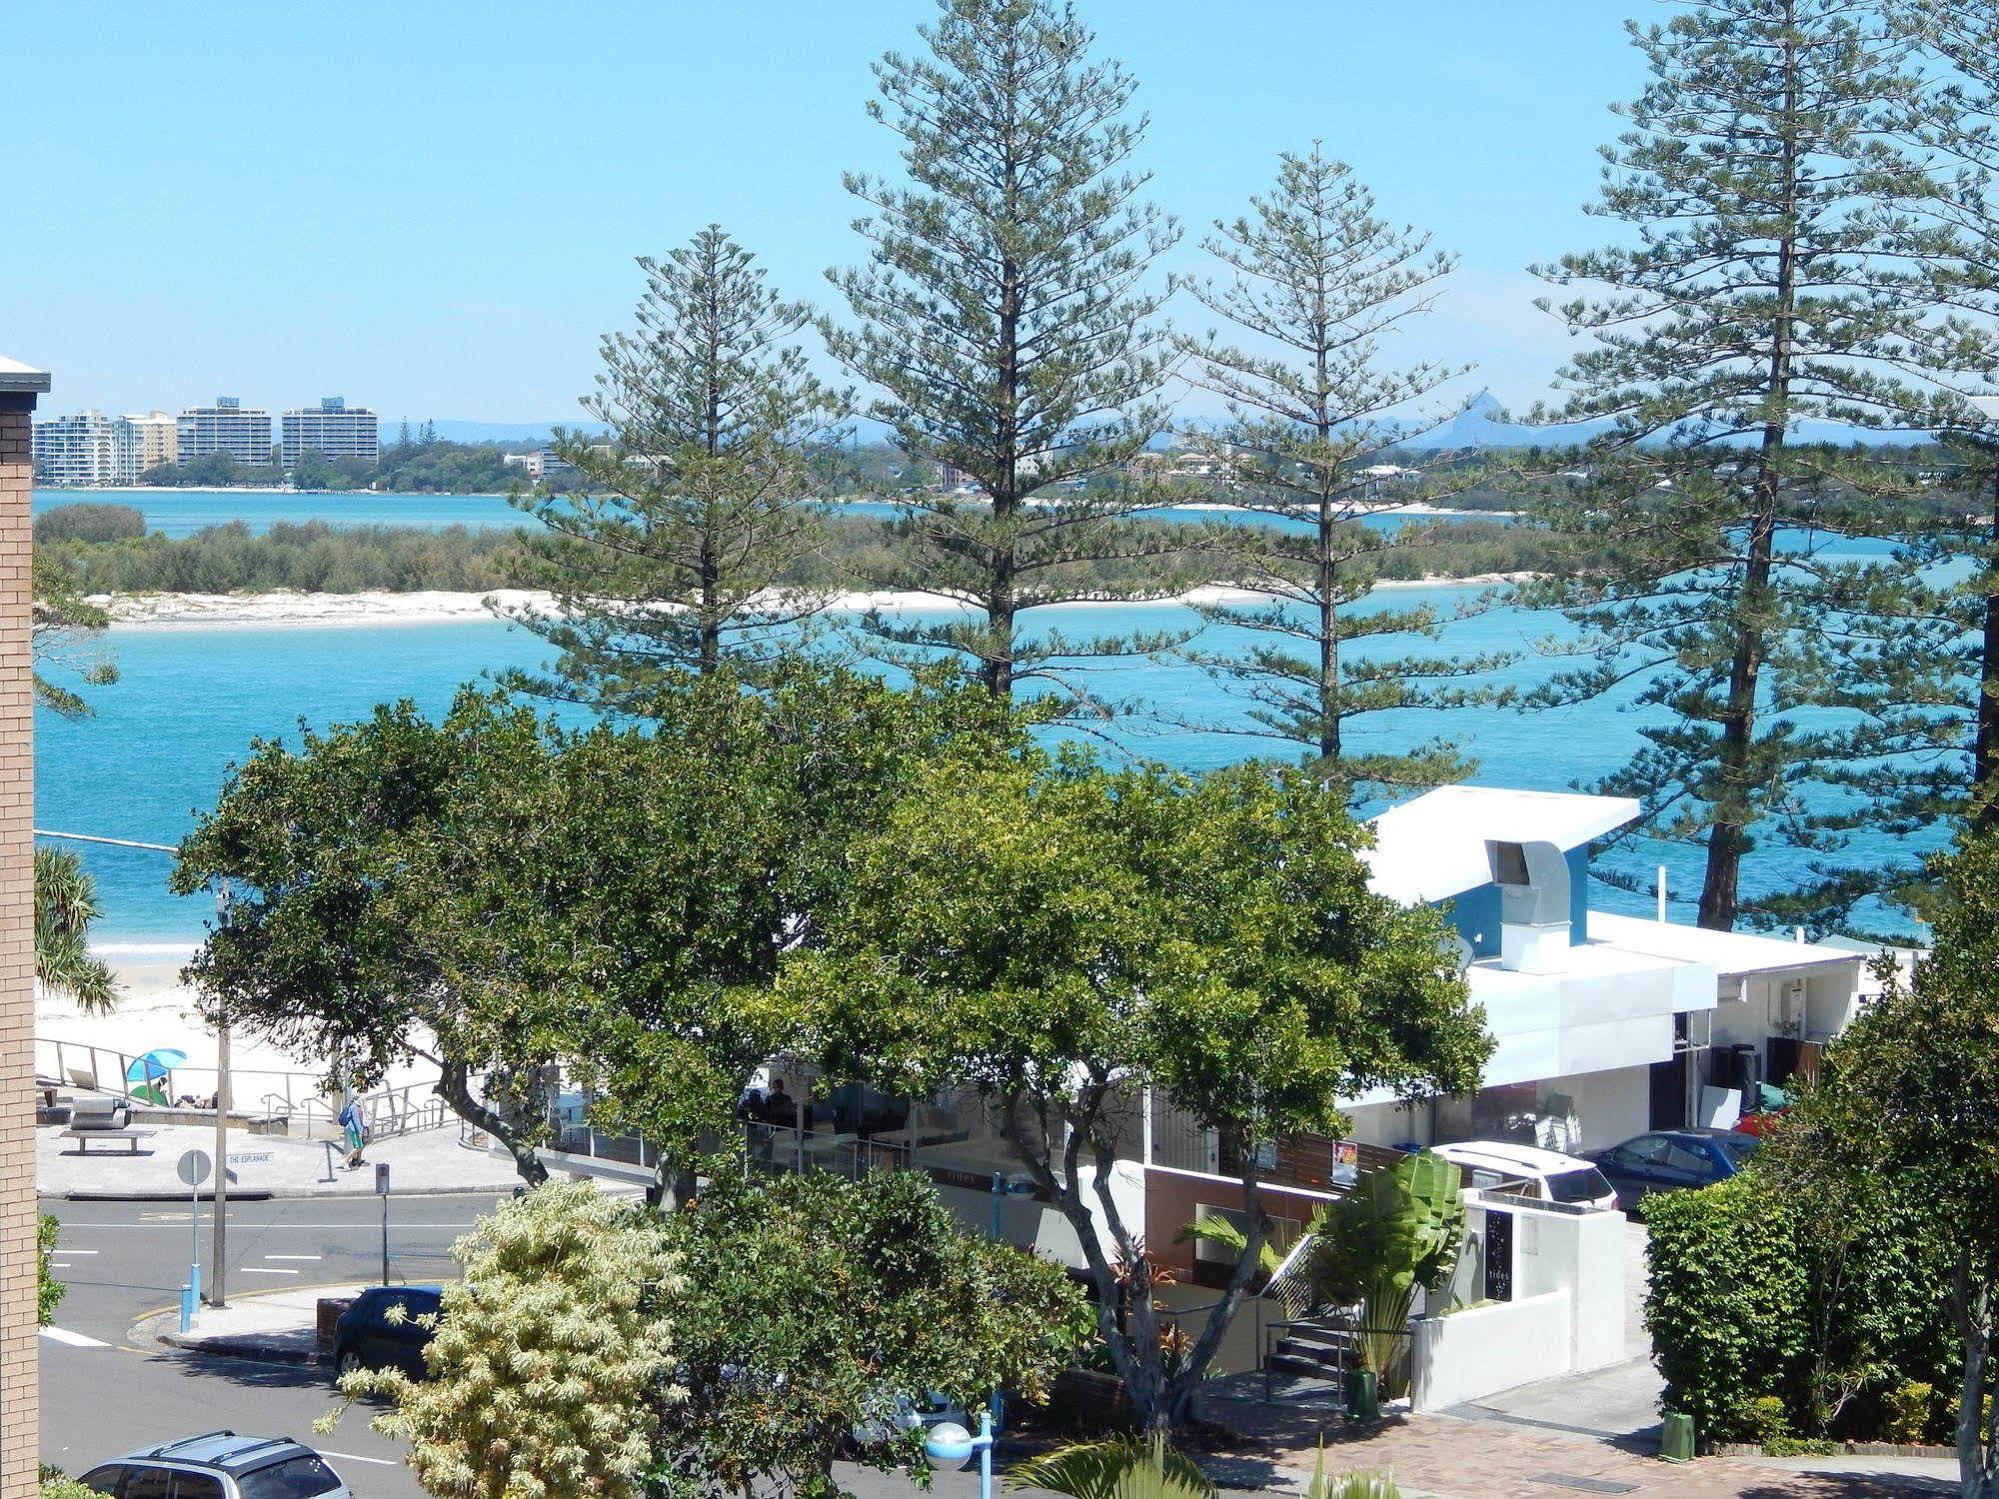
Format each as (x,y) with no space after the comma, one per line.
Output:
(154,439)
(244,433)
(333,428)
(79,449)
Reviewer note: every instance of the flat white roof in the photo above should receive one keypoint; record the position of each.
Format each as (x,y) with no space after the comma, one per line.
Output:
(16,376)
(1434,847)
(1730,954)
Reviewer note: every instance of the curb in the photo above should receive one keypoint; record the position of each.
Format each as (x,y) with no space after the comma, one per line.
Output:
(258,1348)
(269,1194)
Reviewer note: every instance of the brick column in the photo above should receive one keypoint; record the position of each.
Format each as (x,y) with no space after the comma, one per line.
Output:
(20,1396)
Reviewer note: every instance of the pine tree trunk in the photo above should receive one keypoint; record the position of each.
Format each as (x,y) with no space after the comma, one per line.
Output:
(1720,886)
(1329,640)
(1985,754)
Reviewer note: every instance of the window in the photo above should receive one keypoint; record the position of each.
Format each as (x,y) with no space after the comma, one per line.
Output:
(1584,1185)
(1646,1150)
(1690,1159)
(104,1479)
(298,1477)
(147,1483)
(197,1486)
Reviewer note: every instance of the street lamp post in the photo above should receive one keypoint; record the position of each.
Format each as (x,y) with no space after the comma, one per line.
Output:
(950,1446)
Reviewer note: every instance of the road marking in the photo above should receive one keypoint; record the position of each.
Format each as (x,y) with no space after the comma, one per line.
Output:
(74,1339)
(355,1457)
(67,1250)
(264,1270)
(293,1256)
(58,1264)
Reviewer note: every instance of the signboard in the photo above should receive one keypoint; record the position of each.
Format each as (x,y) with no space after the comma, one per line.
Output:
(381,1178)
(248,1157)
(1498,1255)
(193,1167)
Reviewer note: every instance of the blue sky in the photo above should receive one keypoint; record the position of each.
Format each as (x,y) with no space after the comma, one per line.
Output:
(433,208)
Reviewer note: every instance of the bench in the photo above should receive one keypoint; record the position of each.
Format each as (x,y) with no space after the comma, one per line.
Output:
(83,1137)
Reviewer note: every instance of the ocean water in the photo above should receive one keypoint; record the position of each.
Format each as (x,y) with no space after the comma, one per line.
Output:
(182,512)
(192,700)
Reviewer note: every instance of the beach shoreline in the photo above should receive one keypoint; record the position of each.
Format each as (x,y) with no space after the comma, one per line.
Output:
(295,610)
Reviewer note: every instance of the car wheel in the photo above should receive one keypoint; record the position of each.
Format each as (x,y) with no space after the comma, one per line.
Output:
(348,1361)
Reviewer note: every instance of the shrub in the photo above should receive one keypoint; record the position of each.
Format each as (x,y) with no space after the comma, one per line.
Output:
(93,523)
(1726,1304)
(1764,1419)
(1907,1411)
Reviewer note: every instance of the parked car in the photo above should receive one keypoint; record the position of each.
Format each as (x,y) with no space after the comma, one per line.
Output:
(1669,1159)
(1544,1174)
(367,1337)
(219,1465)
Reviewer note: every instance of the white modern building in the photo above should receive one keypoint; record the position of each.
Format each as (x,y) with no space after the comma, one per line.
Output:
(243,432)
(540,465)
(81,449)
(333,429)
(154,439)
(1606,1025)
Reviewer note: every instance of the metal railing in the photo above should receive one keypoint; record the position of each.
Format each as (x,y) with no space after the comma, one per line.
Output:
(105,1069)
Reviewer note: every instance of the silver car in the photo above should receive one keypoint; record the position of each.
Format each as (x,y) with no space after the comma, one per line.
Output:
(219,1465)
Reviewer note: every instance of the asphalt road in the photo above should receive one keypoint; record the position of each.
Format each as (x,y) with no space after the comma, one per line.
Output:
(101,1395)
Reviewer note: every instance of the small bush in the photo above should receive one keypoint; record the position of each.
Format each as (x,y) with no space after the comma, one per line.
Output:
(1763,1420)
(57,1484)
(94,523)
(1906,1413)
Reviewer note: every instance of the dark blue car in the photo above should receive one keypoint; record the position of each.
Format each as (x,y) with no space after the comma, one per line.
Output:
(1666,1160)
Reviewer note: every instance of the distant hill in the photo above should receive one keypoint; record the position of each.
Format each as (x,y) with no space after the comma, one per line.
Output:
(1484,423)
(505,432)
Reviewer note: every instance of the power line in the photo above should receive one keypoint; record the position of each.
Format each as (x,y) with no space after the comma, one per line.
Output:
(158,848)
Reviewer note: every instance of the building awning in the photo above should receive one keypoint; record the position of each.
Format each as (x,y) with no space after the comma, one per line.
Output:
(1729,954)
(1434,847)
(17,378)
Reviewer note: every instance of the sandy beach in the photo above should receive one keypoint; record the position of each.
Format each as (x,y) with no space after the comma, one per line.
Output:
(283,609)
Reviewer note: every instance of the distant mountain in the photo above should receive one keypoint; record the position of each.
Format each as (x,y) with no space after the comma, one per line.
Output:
(1484,424)
(508,432)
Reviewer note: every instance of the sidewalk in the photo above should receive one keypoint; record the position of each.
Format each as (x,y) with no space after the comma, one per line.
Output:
(277,1327)
(1449,1458)
(265,1165)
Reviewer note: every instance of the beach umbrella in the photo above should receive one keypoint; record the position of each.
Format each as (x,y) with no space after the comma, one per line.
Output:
(156,1063)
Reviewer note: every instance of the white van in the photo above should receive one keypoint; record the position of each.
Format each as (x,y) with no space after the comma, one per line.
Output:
(1500,1165)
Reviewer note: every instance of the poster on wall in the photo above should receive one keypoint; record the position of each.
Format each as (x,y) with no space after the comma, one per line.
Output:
(1498,1255)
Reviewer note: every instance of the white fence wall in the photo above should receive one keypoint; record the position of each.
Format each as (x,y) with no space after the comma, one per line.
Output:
(1472,1353)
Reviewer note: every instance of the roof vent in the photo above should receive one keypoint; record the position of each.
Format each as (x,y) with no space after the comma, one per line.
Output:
(1534,921)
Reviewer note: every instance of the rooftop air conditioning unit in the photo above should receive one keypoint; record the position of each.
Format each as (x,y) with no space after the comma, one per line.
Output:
(1534,921)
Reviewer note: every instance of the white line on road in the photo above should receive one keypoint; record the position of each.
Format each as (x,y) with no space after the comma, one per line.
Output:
(264,1270)
(58,1264)
(67,1250)
(355,1457)
(293,1256)
(74,1339)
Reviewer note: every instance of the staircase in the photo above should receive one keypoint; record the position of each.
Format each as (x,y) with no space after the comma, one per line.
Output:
(1312,1348)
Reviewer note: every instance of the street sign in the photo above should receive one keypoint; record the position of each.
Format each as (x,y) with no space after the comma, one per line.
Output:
(382,1178)
(248,1157)
(194,1167)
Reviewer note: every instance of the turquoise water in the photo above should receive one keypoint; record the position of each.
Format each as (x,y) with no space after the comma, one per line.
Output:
(190,701)
(182,512)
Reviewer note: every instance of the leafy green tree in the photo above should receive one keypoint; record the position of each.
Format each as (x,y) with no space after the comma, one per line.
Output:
(696,511)
(502,897)
(65,907)
(1316,277)
(551,1364)
(1779,273)
(1003,321)
(49,1291)
(811,1304)
(1907,1095)
(63,624)
(1060,938)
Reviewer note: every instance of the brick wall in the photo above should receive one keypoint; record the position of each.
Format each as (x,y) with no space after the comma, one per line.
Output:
(19,1396)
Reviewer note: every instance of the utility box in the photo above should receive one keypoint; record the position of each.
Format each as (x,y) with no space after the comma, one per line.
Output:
(1535,924)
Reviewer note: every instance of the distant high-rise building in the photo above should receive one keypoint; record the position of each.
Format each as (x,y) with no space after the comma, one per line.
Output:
(79,449)
(333,428)
(243,432)
(154,439)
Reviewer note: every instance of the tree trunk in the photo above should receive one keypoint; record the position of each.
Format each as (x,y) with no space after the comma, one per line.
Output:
(1985,753)
(1977,1454)
(454,1088)
(1329,639)
(1727,839)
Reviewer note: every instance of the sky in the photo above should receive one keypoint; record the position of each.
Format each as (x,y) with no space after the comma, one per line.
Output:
(433,208)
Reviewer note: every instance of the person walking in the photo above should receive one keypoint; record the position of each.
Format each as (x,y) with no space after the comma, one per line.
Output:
(354,1124)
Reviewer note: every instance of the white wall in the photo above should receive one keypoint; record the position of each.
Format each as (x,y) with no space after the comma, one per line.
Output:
(1040,1226)
(1610,1106)
(1566,1315)
(1475,1353)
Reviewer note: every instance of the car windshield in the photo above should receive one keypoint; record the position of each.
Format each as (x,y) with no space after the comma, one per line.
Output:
(1585,1184)
(298,1477)
(1738,1148)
